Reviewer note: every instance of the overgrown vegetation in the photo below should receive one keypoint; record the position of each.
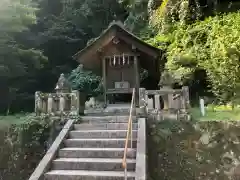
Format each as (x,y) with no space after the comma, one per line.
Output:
(199,150)
(23,144)
(206,51)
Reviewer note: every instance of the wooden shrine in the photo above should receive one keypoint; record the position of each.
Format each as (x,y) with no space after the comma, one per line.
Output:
(118,55)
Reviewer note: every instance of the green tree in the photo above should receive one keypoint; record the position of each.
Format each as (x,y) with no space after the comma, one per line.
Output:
(15,58)
(212,45)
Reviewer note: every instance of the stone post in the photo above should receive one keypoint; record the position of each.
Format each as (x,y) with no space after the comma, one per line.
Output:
(165,97)
(38,103)
(142,102)
(185,103)
(44,103)
(157,101)
(185,97)
(50,104)
(61,103)
(75,102)
(146,101)
(150,103)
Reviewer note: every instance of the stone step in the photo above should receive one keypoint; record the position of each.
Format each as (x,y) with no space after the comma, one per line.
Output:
(87,175)
(103,126)
(101,134)
(98,143)
(95,153)
(106,119)
(95,164)
(116,113)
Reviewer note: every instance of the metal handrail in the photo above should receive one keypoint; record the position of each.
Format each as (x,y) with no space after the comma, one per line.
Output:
(129,133)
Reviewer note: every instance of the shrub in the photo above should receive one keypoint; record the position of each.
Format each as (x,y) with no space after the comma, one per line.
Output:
(22,146)
(85,81)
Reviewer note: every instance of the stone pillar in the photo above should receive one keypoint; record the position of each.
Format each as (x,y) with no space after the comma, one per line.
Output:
(171,102)
(50,104)
(38,103)
(61,103)
(185,95)
(150,103)
(165,97)
(75,102)
(142,102)
(157,101)
(44,103)
(146,99)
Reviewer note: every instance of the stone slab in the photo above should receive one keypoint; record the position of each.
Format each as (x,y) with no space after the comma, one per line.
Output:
(141,165)
(87,175)
(95,153)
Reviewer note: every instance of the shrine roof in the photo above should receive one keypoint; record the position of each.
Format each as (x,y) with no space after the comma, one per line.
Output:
(117,29)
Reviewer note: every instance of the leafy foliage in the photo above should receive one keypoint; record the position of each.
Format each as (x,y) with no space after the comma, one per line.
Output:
(202,150)
(43,28)
(16,58)
(16,17)
(23,143)
(211,45)
(85,81)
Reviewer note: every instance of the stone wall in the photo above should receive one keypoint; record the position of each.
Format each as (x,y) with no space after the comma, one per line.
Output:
(193,150)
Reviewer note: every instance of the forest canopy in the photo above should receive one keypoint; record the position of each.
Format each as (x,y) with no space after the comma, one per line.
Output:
(38,38)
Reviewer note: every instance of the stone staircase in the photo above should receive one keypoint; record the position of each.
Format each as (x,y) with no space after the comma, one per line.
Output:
(93,150)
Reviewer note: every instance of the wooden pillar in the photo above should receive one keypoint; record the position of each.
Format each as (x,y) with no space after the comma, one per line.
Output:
(104,75)
(137,79)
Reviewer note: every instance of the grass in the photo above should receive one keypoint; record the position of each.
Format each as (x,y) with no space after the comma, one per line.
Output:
(213,114)
(6,121)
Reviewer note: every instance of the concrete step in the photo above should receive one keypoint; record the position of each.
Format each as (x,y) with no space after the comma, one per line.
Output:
(95,164)
(101,134)
(106,119)
(95,153)
(98,143)
(87,175)
(103,126)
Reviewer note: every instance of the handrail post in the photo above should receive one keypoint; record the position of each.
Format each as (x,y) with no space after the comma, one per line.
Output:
(129,133)
(125,172)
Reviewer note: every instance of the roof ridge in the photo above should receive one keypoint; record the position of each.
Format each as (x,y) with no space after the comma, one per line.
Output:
(118,23)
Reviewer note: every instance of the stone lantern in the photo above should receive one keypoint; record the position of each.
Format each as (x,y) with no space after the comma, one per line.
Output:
(165,84)
(62,86)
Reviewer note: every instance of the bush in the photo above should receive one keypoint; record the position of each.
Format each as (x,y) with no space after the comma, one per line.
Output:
(22,146)
(85,81)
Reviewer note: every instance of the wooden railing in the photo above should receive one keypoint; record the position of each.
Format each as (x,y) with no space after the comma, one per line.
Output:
(57,103)
(129,135)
